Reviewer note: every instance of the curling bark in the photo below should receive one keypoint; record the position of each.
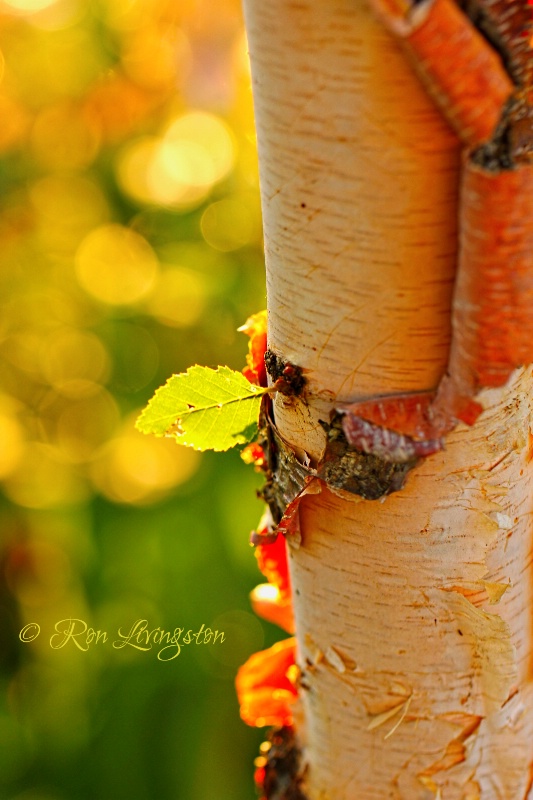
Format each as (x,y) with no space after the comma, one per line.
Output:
(413,615)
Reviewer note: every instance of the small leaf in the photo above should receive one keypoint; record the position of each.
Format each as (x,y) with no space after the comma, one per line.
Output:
(204,408)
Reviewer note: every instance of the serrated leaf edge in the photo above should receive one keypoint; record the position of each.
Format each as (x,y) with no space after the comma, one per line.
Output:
(255,392)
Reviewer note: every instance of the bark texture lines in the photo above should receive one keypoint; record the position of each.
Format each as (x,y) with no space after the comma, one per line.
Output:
(363,174)
(385,589)
(413,615)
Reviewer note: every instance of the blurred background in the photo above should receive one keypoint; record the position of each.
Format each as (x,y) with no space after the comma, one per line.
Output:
(130,248)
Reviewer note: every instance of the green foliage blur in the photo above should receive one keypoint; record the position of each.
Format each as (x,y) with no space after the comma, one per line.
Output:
(130,248)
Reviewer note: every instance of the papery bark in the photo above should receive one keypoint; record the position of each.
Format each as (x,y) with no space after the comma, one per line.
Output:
(417,670)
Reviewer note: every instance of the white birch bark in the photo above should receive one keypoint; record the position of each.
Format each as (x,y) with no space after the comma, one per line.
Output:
(359,182)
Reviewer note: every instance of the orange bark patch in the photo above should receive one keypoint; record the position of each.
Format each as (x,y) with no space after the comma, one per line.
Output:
(269,603)
(266,685)
(422,416)
(256,328)
(273,600)
(463,73)
(408,414)
(272,561)
(254,454)
(493,324)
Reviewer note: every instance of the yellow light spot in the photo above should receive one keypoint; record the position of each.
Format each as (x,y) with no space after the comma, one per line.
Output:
(68,207)
(42,480)
(28,6)
(121,14)
(85,426)
(293,673)
(133,165)
(139,469)
(11,438)
(229,224)
(130,15)
(22,350)
(74,362)
(157,172)
(180,173)
(116,265)
(26,314)
(179,297)
(46,69)
(58,15)
(266,592)
(211,136)
(180,168)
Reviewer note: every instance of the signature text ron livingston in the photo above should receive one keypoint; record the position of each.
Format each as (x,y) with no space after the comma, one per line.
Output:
(72,631)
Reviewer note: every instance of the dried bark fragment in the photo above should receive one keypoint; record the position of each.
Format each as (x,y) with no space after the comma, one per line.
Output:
(385,443)
(512,141)
(366,474)
(455,752)
(285,474)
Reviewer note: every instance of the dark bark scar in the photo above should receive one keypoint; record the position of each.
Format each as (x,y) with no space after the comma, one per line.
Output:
(344,464)
(285,476)
(368,475)
(288,378)
(278,772)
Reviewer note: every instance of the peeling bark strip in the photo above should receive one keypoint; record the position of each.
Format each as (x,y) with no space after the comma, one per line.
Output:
(495,285)
(391,446)
(466,78)
(491,111)
(359,182)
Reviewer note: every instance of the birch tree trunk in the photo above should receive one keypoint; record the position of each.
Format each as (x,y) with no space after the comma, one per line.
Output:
(398,604)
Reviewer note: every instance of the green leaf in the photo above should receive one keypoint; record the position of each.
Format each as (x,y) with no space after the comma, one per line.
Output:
(204,408)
